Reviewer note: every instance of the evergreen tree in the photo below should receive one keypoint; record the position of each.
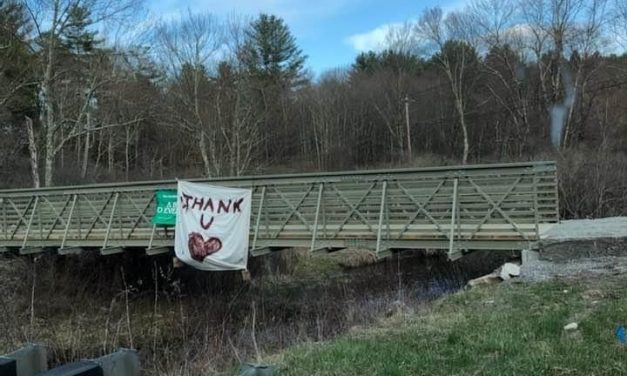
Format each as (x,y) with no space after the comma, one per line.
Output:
(16,95)
(370,62)
(271,53)
(76,36)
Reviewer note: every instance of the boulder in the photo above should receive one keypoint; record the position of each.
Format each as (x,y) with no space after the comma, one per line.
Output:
(508,271)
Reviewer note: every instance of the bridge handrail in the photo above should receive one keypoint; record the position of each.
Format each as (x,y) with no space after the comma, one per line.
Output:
(255,180)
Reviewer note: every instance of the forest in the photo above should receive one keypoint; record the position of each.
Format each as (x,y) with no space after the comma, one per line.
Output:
(92,92)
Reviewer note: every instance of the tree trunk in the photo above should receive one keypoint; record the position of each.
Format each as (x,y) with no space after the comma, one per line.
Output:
(127,162)
(462,122)
(49,165)
(32,149)
(110,153)
(86,150)
(202,145)
(47,121)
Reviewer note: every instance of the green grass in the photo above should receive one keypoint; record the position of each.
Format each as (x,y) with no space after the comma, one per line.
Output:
(510,329)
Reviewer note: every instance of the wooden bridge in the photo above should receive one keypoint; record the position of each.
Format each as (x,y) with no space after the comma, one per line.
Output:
(458,209)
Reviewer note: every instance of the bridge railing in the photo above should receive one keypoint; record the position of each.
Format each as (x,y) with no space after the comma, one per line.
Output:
(500,206)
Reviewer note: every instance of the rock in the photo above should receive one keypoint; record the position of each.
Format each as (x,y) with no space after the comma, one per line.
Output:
(509,270)
(571,326)
(489,279)
(504,273)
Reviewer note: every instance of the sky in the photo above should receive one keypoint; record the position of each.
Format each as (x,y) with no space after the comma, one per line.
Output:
(330,32)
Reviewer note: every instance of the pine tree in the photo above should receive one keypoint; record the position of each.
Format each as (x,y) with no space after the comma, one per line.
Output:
(15,59)
(271,53)
(76,37)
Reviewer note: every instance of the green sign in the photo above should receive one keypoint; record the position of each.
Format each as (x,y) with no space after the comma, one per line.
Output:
(166,208)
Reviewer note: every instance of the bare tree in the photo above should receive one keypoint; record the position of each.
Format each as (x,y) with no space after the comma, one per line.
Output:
(501,37)
(569,32)
(189,47)
(51,18)
(454,38)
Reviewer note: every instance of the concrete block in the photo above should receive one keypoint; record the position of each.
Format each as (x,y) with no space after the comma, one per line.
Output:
(123,362)
(158,251)
(70,251)
(528,255)
(111,251)
(30,360)
(31,250)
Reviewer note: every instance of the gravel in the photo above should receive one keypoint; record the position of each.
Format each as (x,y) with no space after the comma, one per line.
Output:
(542,270)
(581,247)
(587,229)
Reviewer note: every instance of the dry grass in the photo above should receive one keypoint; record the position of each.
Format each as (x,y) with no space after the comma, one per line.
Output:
(185,322)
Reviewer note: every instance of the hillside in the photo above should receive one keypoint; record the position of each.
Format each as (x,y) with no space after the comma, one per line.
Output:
(510,329)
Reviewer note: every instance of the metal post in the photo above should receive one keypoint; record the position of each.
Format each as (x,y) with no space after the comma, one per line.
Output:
(409,153)
(6,225)
(258,220)
(30,222)
(106,239)
(383,192)
(80,222)
(152,236)
(459,220)
(535,206)
(69,220)
(451,243)
(315,228)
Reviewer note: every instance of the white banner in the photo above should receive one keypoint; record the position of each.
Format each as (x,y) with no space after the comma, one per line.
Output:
(212,225)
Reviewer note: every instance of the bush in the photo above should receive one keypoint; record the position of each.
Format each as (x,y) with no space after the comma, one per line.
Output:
(592,183)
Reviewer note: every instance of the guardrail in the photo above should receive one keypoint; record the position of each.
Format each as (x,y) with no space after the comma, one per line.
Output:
(499,207)
(32,360)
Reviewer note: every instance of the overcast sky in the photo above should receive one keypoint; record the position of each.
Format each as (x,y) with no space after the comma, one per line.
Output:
(330,32)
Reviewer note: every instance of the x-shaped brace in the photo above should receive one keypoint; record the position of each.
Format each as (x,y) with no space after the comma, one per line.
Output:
(20,215)
(496,207)
(493,208)
(141,214)
(294,210)
(98,214)
(353,209)
(421,209)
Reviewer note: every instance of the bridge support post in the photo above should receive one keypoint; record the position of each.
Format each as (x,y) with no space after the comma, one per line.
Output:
(106,239)
(258,220)
(67,225)
(381,214)
(451,244)
(315,227)
(30,222)
(529,255)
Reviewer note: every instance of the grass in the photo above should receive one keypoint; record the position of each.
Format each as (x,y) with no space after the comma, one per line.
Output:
(510,329)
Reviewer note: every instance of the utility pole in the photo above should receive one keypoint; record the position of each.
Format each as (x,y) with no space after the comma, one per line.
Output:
(409,153)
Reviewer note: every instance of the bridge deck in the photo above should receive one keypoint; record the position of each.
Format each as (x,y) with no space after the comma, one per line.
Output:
(500,207)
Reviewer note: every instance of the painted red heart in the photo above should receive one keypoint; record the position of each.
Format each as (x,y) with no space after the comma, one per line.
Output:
(199,248)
